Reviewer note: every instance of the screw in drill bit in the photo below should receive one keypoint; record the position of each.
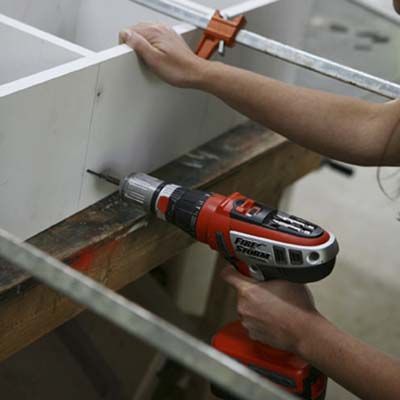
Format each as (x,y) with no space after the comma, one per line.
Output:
(108,178)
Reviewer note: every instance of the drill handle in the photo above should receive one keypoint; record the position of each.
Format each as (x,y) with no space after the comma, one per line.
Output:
(252,271)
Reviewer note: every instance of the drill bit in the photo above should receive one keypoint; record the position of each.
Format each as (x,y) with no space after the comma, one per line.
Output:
(108,178)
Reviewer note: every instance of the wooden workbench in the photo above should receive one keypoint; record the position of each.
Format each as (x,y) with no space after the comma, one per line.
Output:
(116,244)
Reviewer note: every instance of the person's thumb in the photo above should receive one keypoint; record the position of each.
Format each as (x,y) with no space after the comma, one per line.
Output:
(138,43)
(236,279)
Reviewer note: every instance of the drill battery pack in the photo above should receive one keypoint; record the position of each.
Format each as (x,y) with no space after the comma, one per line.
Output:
(286,370)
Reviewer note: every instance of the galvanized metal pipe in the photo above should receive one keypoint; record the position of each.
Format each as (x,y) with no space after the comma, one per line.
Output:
(323,66)
(320,65)
(137,321)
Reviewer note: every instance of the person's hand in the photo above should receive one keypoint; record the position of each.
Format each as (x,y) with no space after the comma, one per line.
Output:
(277,313)
(165,52)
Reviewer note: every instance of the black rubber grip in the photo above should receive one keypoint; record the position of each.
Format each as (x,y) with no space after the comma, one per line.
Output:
(184,208)
(298,274)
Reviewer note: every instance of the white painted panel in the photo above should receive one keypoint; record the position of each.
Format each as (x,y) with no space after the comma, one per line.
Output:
(100,21)
(93,24)
(43,142)
(54,16)
(129,134)
(106,111)
(23,54)
(139,122)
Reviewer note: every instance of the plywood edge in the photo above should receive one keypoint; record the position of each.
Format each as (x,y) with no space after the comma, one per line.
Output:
(62,70)
(48,37)
(45,76)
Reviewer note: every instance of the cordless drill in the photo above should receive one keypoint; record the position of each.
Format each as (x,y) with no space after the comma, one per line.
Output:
(260,242)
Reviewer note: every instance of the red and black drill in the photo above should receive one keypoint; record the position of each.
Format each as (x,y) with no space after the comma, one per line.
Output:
(261,242)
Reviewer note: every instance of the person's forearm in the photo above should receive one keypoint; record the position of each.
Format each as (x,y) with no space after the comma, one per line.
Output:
(340,127)
(363,370)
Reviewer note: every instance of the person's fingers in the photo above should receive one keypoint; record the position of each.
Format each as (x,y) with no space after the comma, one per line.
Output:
(253,330)
(138,43)
(236,279)
(149,31)
(309,295)
(142,25)
(122,37)
(256,336)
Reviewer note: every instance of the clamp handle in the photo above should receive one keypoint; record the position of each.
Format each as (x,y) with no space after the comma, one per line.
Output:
(219,29)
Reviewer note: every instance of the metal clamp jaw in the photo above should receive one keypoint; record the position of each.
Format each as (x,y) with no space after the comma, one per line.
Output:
(219,29)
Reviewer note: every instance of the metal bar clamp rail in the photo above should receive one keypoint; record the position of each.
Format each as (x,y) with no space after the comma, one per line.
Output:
(189,12)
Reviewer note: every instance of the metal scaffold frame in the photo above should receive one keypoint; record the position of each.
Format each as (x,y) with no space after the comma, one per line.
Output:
(135,320)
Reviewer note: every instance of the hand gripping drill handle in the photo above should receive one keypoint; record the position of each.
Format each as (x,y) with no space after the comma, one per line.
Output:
(261,242)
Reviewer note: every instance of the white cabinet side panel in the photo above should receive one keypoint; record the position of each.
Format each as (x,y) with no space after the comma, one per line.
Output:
(43,144)
(139,122)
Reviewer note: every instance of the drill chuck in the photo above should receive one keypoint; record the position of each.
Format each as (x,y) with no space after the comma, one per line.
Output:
(177,205)
(141,189)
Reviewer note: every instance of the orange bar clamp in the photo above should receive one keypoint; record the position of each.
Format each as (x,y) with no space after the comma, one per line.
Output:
(219,29)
